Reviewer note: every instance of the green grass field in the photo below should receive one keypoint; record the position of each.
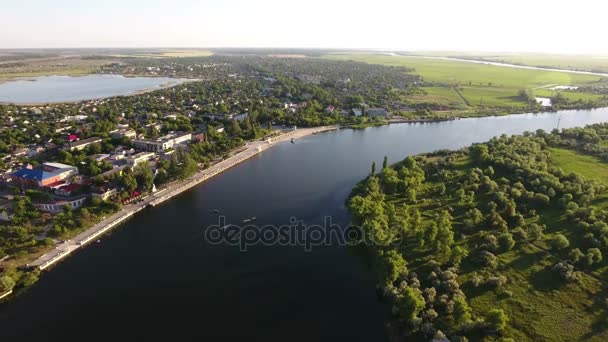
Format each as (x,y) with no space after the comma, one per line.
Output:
(465,73)
(440,95)
(586,166)
(570,95)
(573,62)
(482,85)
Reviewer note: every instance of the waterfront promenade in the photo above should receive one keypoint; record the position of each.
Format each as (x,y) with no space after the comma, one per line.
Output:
(172,189)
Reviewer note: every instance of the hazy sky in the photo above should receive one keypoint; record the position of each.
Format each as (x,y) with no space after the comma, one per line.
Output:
(514,25)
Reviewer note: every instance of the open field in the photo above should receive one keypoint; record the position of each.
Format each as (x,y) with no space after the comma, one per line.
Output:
(481,85)
(441,95)
(586,166)
(570,95)
(464,73)
(73,66)
(580,62)
(572,62)
(168,53)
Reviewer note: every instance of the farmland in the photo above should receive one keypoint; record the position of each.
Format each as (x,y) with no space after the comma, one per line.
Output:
(482,85)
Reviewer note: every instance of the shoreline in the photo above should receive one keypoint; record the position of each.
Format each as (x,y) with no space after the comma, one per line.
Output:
(169,191)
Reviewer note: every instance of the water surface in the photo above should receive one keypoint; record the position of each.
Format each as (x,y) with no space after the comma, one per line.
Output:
(156,277)
(52,89)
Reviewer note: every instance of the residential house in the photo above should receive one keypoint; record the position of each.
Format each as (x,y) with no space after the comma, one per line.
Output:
(81,144)
(377,112)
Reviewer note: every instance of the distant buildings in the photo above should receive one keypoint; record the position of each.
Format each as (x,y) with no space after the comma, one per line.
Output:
(123,133)
(81,144)
(139,158)
(376,112)
(162,144)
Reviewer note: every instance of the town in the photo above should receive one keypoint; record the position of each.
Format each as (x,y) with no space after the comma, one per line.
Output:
(67,167)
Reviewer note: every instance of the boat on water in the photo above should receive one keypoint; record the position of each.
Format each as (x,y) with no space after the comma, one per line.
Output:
(292,141)
(249,219)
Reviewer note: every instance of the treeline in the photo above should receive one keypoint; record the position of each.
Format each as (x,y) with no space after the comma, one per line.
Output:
(440,222)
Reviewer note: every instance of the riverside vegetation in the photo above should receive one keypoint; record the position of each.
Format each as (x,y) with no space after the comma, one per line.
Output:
(503,240)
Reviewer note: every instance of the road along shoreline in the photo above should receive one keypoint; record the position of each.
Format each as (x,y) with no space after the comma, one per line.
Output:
(169,191)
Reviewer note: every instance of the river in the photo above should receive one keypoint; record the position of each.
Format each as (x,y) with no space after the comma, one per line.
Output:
(156,276)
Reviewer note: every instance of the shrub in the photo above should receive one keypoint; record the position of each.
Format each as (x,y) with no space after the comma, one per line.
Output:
(497,320)
(594,256)
(566,271)
(559,242)
(497,281)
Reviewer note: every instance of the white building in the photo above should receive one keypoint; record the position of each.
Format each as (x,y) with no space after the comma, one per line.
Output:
(162,144)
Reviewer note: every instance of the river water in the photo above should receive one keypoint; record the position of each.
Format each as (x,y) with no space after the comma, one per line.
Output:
(156,276)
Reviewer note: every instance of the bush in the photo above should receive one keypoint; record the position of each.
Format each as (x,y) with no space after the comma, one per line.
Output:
(559,242)
(566,271)
(594,256)
(575,255)
(497,281)
(6,284)
(497,320)
(488,259)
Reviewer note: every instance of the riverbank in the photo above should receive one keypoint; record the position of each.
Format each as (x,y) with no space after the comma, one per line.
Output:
(167,192)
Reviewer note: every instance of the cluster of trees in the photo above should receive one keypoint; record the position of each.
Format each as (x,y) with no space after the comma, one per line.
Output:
(448,209)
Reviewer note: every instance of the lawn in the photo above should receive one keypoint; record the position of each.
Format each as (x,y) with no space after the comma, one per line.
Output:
(586,166)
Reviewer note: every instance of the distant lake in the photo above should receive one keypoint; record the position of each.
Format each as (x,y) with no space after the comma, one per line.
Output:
(49,89)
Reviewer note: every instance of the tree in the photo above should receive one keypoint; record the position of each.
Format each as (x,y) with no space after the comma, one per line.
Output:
(462,311)
(575,255)
(506,241)
(373,168)
(6,283)
(526,95)
(129,182)
(559,242)
(145,176)
(234,128)
(594,256)
(396,266)
(497,320)
(385,163)
(411,303)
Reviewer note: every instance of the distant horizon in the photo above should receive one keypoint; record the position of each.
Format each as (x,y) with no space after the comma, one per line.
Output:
(352,49)
(542,26)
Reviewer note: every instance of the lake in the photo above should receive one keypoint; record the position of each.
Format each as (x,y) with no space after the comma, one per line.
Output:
(53,89)
(156,276)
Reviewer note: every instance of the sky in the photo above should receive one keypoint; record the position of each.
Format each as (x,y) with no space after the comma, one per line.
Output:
(555,26)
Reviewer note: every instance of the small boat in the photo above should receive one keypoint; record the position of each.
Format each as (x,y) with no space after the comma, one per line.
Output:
(98,241)
(292,141)
(249,220)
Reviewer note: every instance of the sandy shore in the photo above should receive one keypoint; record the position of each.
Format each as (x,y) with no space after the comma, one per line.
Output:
(167,192)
